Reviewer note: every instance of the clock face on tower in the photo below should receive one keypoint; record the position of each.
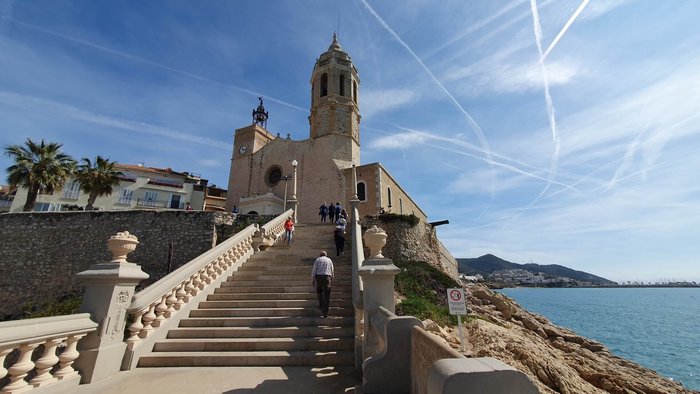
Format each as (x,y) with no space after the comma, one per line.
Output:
(243,149)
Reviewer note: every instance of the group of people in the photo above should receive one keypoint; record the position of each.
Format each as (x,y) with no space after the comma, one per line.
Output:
(333,211)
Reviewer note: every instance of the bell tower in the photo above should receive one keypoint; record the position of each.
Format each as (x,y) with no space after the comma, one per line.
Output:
(335,89)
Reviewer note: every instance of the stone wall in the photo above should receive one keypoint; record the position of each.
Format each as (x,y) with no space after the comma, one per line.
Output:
(41,252)
(419,243)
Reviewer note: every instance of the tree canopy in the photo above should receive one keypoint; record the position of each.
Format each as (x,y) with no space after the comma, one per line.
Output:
(38,167)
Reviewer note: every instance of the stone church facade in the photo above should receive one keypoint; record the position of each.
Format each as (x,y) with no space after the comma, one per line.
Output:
(262,165)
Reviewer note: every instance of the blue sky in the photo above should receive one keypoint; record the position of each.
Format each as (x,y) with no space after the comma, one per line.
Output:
(553,132)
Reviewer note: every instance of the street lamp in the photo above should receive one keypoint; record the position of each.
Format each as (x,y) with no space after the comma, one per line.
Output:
(294,189)
(285,179)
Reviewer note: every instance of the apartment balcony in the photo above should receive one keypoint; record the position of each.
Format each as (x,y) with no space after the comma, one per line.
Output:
(159,204)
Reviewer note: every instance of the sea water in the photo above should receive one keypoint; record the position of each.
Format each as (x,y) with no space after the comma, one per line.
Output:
(658,328)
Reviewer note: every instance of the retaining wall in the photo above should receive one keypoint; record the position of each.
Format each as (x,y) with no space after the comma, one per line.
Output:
(41,252)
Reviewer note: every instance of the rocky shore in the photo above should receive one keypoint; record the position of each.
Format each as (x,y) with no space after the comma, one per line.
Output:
(556,359)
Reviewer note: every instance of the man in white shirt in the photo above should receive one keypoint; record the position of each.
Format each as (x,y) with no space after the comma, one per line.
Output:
(321,276)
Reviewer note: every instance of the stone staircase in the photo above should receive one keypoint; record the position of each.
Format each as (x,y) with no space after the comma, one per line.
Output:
(266,313)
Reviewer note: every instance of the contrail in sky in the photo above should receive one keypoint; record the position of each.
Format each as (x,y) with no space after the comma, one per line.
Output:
(152,63)
(475,126)
(565,28)
(548,99)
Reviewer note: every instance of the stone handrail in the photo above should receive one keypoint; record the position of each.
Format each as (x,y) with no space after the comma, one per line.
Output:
(152,307)
(269,232)
(358,256)
(52,332)
(390,335)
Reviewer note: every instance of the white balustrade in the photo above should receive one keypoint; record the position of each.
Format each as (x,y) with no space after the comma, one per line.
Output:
(53,333)
(161,301)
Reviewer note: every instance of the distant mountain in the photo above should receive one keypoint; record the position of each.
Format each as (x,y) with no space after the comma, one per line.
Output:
(489,263)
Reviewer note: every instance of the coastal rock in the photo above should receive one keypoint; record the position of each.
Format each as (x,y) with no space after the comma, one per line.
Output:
(555,358)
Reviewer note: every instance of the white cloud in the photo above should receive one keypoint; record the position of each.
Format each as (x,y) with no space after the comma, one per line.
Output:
(511,78)
(376,101)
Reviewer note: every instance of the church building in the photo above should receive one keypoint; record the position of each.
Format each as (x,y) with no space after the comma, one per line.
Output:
(270,173)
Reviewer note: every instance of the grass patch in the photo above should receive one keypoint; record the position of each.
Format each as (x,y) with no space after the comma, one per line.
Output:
(425,288)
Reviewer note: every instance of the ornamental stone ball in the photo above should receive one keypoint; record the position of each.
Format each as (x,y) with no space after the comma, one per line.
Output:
(375,239)
(121,244)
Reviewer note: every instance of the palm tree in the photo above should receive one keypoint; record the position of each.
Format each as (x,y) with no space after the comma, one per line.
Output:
(97,178)
(38,167)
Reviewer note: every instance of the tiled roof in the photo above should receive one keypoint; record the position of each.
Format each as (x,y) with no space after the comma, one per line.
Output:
(152,170)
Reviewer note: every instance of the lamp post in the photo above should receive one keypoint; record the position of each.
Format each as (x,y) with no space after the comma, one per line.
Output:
(293,199)
(285,179)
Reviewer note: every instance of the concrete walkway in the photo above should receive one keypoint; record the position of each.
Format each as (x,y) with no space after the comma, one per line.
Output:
(230,380)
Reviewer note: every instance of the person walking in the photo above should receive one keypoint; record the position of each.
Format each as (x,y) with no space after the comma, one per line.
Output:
(338,210)
(321,277)
(323,211)
(331,212)
(288,230)
(339,237)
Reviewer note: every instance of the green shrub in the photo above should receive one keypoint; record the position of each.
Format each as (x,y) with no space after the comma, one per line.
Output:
(425,290)
(412,220)
(67,305)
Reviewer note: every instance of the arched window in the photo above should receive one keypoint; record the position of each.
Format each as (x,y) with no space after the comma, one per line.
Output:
(354,91)
(388,192)
(324,85)
(342,84)
(361,193)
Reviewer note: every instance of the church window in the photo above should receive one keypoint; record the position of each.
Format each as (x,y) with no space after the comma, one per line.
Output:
(274,175)
(388,193)
(342,85)
(400,206)
(361,193)
(354,91)
(324,85)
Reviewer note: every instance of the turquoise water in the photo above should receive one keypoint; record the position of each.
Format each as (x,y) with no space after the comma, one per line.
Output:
(658,328)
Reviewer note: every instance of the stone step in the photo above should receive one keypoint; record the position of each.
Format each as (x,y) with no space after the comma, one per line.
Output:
(285,283)
(330,330)
(245,344)
(285,278)
(248,304)
(261,358)
(219,296)
(278,321)
(233,287)
(287,270)
(269,312)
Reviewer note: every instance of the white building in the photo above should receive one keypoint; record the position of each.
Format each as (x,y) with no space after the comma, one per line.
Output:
(140,187)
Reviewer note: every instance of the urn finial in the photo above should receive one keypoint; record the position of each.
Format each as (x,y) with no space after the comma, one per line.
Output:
(121,244)
(375,239)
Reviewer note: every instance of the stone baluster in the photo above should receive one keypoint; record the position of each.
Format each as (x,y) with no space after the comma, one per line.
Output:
(3,353)
(197,282)
(148,320)
(45,363)
(170,301)
(181,295)
(109,287)
(19,370)
(190,288)
(211,273)
(160,310)
(67,358)
(136,327)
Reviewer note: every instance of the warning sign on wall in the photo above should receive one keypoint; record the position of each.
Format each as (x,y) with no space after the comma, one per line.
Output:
(455,299)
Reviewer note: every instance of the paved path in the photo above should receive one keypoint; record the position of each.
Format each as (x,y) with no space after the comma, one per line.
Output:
(229,380)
